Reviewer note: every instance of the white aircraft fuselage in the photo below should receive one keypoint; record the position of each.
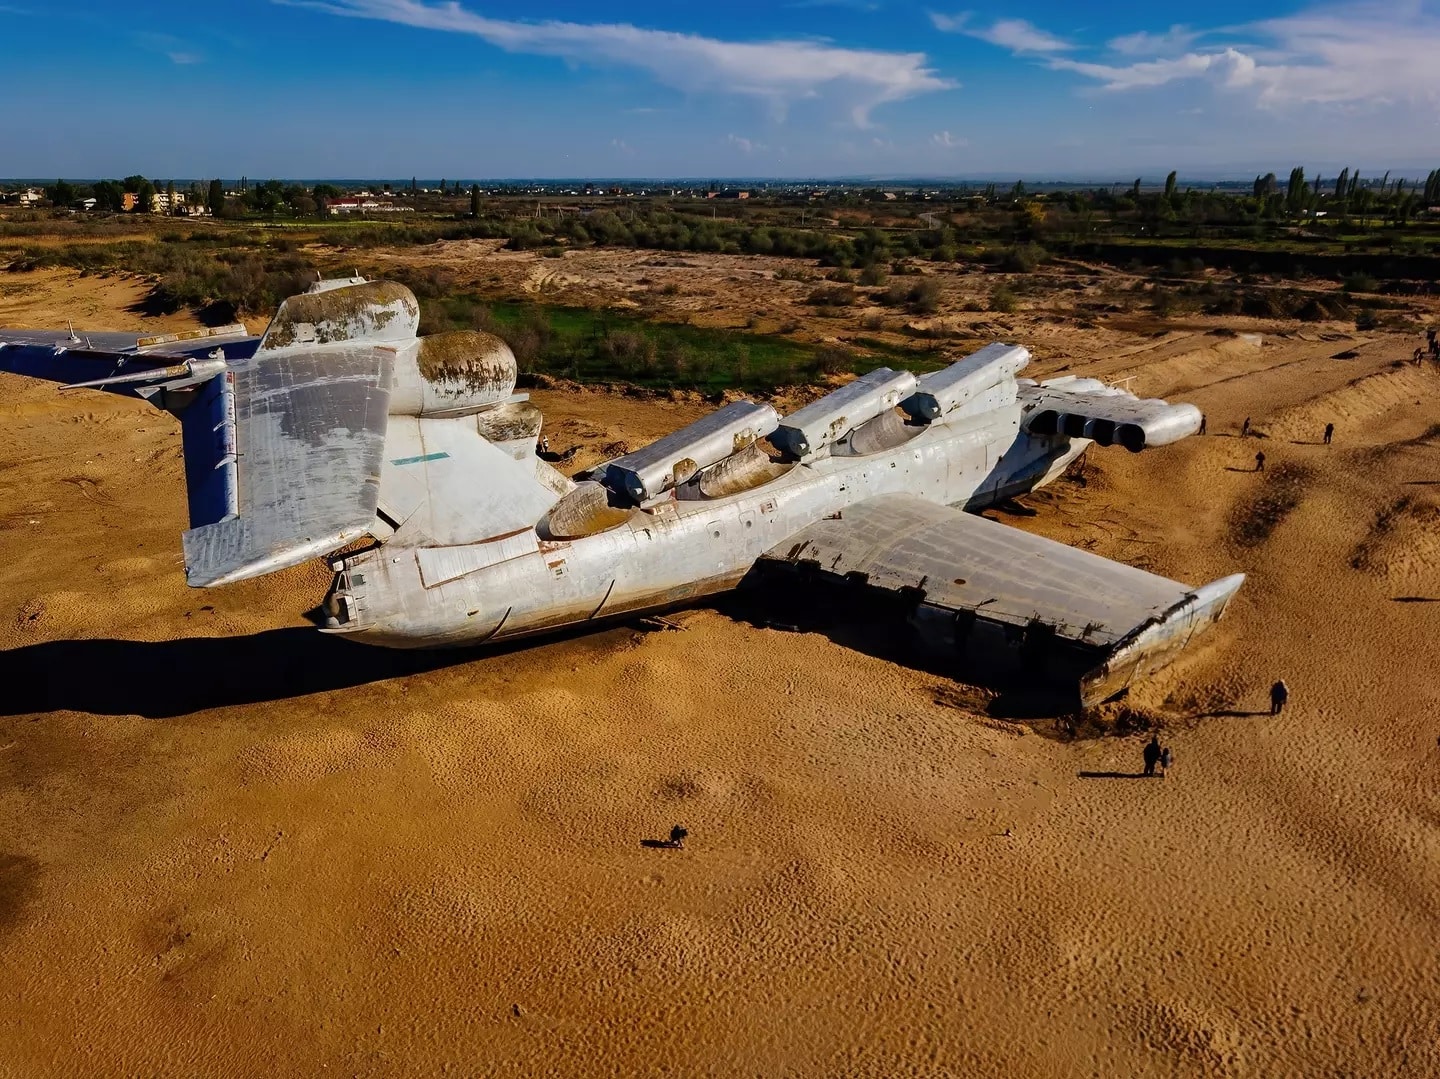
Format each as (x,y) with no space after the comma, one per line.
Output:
(675,549)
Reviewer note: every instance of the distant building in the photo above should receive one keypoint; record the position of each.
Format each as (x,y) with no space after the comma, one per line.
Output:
(30,197)
(162,205)
(367,206)
(85,204)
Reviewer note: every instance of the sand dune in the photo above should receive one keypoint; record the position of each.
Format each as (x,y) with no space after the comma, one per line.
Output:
(232,846)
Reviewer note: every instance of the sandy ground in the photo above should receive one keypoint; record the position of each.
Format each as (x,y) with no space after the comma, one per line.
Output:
(231,846)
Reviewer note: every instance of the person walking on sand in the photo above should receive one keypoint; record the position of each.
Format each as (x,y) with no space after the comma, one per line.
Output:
(1279,694)
(1202,423)
(1260,461)
(1165,759)
(1151,754)
(1329,433)
(1245,428)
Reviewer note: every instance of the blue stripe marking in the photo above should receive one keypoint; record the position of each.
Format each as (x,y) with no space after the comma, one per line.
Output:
(418,460)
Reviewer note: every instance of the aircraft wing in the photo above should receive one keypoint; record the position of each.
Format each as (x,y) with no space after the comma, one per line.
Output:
(119,359)
(282,459)
(1000,595)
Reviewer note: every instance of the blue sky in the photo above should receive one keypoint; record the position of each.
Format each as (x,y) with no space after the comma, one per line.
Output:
(499,88)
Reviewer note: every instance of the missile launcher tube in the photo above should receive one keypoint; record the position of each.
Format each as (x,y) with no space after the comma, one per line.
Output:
(672,460)
(820,423)
(941,392)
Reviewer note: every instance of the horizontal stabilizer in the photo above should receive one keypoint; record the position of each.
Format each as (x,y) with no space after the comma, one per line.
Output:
(308,443)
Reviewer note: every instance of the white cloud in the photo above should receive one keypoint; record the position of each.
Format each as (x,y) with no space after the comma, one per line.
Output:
(1144,43)
(1158,72)
(778,72)
(1358,56)
(1017,35)
(950,24)
(947,141)
(185,57)
(622,146)
(744,145)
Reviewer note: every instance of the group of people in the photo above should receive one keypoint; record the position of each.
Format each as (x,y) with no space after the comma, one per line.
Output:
(1328,436)
(1157,756)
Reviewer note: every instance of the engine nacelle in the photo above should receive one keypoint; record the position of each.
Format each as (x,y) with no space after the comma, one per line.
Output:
(452,374)
(1106,415)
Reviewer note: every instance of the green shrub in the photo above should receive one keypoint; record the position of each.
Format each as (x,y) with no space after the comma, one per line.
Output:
(1002,301)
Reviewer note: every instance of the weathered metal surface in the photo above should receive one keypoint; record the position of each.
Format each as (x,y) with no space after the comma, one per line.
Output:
(1086,408)
(310,440)
(513,427)
(376,312)
(452,374)
(1152,645)
(960,561)
(585,511)
(743,471)
(813,428)
(879,433)
(75,357)
(972,583)
(341,422)
(209,437)
(439,565)
(672,460)
(942,392)
(446,485)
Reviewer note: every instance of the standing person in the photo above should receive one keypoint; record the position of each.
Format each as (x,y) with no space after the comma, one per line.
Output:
(1260,461)
(1151,754)
(1245,428)
(1165,759)
(1202,423)
(544,444)
(1329,432)
(1279,694)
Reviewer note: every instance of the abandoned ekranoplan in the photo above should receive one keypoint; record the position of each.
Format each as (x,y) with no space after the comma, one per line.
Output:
(339,424)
